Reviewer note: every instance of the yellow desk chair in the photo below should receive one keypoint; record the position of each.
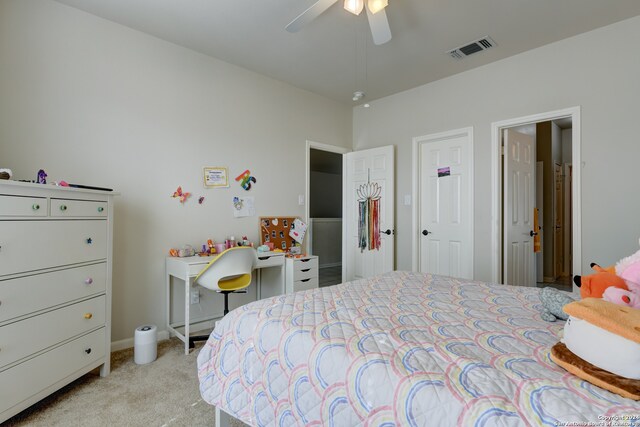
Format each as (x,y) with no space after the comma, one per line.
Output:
(229,272)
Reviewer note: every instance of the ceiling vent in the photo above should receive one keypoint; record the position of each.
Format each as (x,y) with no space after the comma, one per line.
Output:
(471,48)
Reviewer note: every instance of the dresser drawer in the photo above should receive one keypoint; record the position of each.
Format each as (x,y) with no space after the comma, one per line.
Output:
(20,339)
(303,275)
(66,207)
(33,245)
(29,378)
(305,284)
(305,264)
(25,295)
(23,206)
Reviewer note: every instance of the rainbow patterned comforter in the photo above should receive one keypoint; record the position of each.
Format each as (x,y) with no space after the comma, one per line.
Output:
(404,349)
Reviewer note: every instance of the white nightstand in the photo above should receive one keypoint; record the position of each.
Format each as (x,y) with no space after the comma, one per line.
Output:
(301,273)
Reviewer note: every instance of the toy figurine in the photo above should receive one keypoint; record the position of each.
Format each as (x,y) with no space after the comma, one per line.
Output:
(42,177)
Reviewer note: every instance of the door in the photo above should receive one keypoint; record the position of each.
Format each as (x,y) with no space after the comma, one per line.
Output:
(519,193)
(374,167)
(446,211)
(558,218)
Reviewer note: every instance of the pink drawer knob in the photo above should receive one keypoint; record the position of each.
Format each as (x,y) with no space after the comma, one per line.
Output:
(88,281)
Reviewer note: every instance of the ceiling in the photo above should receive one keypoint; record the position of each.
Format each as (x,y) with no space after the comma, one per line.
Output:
(334,55)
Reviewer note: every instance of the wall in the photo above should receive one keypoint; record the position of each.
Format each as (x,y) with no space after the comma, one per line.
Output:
(96,103)
(587,72)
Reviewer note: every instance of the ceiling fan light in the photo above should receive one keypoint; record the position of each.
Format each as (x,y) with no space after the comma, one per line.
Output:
(354,6)
(376,6)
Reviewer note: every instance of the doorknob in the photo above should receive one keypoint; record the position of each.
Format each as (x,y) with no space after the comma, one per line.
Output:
(425,232)
(388,232)
(532,233)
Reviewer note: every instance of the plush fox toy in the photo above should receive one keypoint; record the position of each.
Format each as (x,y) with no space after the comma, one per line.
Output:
(594,285)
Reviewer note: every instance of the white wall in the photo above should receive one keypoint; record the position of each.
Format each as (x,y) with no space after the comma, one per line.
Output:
(588,71)
(96,103)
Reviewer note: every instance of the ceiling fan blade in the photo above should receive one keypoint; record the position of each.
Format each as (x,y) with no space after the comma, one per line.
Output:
(309,15)
(379,26)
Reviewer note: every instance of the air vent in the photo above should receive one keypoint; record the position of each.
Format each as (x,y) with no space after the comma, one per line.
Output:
(471,48)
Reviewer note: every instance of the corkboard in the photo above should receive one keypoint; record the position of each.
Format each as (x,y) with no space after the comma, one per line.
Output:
(276,229)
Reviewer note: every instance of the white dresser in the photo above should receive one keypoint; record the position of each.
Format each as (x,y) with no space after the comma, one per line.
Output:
(55,289)
(301,274)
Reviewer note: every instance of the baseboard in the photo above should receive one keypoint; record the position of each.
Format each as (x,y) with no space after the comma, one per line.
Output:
(128,342)
(334,264)
(196,327)
(549,279)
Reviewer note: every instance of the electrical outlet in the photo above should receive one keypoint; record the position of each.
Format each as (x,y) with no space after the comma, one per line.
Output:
(195,296)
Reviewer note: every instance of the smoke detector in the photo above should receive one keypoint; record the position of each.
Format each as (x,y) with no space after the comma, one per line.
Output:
(358,95)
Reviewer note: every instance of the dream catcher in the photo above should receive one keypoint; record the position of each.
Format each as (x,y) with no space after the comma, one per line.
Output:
(369,216)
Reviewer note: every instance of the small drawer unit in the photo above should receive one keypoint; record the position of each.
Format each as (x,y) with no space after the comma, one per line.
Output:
(301,274)
(55,289)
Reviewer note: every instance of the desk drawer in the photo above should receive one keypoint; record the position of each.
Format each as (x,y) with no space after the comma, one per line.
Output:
(33,245)
(305,274)
(20,339)
(25,295)
(23,206)
(305,264)
(29,378)
(269,260)
(66,207)
(305,284)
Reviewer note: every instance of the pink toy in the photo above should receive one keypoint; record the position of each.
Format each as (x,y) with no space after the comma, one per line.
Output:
(629,270)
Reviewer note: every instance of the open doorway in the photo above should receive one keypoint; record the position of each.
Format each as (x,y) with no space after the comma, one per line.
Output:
(324,210)
(537,241)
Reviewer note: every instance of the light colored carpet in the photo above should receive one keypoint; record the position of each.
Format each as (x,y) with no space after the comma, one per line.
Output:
(162,393)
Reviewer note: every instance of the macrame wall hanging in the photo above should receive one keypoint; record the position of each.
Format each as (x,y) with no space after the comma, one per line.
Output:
(369,216)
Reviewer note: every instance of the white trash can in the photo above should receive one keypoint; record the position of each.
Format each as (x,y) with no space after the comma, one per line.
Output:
(145,344)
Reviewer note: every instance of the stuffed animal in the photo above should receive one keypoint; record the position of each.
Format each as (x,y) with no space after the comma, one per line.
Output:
(627,270)
(552,301)
(594,285)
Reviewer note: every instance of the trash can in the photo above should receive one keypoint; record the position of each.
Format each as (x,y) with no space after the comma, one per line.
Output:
(145,344)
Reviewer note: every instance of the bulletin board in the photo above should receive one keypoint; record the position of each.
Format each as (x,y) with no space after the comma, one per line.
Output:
(276,229)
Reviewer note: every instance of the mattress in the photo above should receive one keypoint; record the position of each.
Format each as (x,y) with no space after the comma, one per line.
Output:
(403,348)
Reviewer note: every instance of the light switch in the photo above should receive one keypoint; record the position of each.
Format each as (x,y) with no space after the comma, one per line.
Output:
(407,199)
(301,199)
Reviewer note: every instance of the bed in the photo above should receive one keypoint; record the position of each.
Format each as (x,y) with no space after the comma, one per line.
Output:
(403,348)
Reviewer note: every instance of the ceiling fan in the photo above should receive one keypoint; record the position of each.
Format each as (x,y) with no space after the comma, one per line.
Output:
(375,13)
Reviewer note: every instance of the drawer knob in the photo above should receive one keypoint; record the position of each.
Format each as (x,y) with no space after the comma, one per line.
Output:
(89,241)
(305,280)
(63,208)
(35,206)
(88,281)
(100,209)
(88,351)
(88,316)
(305,270)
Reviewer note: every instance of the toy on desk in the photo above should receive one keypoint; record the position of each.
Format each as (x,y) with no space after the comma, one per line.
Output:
(208,249)
(186,251)
(5,174)
(61,183)
(179,194)
(263,248)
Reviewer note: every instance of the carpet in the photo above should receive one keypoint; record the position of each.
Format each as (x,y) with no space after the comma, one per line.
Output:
(162,393)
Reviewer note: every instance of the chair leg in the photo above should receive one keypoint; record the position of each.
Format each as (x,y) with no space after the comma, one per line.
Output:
(226,303)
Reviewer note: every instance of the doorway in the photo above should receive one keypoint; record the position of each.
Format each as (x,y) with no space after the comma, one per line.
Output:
(324,210)
(537,238)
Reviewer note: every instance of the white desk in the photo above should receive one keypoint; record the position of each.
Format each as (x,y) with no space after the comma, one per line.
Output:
(270,282)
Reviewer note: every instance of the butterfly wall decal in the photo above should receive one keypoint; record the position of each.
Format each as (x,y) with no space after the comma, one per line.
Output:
(181,195)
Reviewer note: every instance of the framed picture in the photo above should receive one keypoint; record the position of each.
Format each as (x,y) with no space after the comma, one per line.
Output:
(216,177)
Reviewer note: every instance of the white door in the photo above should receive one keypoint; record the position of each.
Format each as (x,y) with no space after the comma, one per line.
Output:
(446,211)
(519,194)
(375,166)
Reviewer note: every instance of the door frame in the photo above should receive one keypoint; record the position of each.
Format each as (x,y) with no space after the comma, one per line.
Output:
(333,149)
(418,141)
(496,179)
